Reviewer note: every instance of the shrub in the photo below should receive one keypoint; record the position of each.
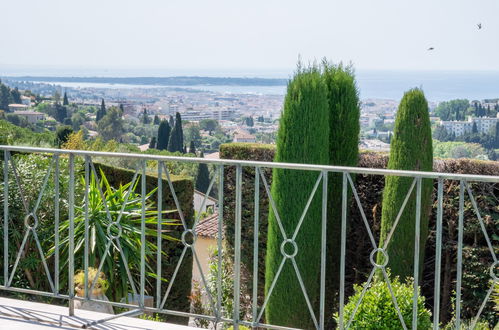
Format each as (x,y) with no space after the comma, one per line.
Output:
(302,135)
(376,310)
(410,149)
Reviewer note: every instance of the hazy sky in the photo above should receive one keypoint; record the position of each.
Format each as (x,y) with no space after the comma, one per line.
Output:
(247,37)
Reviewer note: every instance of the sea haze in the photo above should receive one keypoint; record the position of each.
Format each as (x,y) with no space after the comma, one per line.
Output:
(437,85)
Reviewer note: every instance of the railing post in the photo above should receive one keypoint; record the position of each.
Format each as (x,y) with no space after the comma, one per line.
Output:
(6,155)
(219,238)
(322,298)
(237,247)
(71,206)
(159,228)
(459,255)
(255,243)
(417,241)
(56,220)
(343,248)
(85,253)
(143,237)
(438,256)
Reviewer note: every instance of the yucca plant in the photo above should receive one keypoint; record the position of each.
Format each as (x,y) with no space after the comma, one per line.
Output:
(101,229)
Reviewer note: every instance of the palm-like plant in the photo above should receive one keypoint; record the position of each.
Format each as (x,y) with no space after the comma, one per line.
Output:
(114,231)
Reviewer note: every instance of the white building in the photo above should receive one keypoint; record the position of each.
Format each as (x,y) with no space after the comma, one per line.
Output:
(31,117)
(483,124)
(18,107)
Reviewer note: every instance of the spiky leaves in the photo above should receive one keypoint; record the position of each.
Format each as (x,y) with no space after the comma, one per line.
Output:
(303,133)
(411,149)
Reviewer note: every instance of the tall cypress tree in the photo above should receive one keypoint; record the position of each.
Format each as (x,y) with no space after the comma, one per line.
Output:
(192,148)
(344,128)
(163,135)
(303,130)
(411,149)
(152,144)
(176,142)
(156,120)
(203,177)
(65,100)
(101,112)
(172,122)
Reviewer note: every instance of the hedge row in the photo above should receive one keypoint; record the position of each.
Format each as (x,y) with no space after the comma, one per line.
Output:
(477,258)
(178,299)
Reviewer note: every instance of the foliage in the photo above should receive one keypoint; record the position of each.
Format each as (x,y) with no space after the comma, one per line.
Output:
(192,135)
(176,142)
(453,110)
(101,228)
(110,127)
(63,133)
(410,149)
(344,128)
(208,125)
(303,127)
(458,150)
(377,311)
(13,135)
(203,177)
(163,135)
(79,279)
(101,112)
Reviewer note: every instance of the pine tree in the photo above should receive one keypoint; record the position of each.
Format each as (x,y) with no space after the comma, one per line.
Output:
(192,148)
(303,129)
(203,177)
(65,100)
(411,149)
(152,144)
(164,132)
(176,142)
(344,129)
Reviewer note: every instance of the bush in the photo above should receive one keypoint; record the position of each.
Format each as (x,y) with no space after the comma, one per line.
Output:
(376,310)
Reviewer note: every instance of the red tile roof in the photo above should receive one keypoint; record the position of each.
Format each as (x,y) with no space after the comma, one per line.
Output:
(208,227)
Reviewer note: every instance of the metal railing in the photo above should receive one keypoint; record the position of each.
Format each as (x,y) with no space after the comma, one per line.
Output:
(188,237)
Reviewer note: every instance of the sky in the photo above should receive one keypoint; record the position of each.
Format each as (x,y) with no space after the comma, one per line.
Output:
(244,38)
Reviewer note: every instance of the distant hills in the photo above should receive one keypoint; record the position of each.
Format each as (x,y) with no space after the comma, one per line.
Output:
(160,81)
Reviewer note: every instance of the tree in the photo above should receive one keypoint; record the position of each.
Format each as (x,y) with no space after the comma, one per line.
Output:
(441,133)
(16,96)
(453,110)
(474,129)
(208,125)
(172,122)
(411,149)
(157,121)
(61,112)
(176,142)
(192,148)
(192,134)
(62,134)
(163,135)
(65,99)
(303,127)
(145,117)
(152,144)
(203,177)
(249,121)
(101,112)
(344,129)
(110,127)
(5,97)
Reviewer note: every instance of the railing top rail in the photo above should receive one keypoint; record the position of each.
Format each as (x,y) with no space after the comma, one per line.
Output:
(291,166)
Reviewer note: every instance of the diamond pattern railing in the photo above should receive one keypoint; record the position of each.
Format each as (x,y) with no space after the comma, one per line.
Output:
(379,256)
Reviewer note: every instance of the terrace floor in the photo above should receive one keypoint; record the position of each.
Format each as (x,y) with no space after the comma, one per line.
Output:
(18,314)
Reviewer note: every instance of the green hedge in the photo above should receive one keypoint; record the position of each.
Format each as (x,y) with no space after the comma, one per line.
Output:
(181,289)
(370,189)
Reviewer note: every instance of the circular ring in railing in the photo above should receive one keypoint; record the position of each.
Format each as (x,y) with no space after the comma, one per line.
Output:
(385,258)
(35,221)
(192,238)
(118,229)
(293,245)
(493,270)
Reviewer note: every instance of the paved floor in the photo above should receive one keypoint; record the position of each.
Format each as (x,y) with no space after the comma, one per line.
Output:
(26,315)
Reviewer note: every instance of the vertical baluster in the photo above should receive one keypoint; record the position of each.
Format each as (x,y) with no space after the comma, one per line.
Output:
(71,233)
(237,247)
(459,255)
(219,238)
(344,199)
(417,240)
(6,155)
(56,224)
(159,229)
(323,250)
(85,252)
(438,256)
(255,243)
(143,238)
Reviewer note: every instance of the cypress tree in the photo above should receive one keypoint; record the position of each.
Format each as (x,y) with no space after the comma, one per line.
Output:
(101,112)
(474,128)
(65,100)
(172,122)
(192,148)
(411,149)
(203,177)
(303,130)
(344,129)
(164,131)
(152,144)
(176,142)
(156,120)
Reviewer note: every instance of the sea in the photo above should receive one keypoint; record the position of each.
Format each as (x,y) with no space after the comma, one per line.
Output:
(437,85)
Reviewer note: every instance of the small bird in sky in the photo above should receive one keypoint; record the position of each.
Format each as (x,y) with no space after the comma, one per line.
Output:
(431,48)
(479,26)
